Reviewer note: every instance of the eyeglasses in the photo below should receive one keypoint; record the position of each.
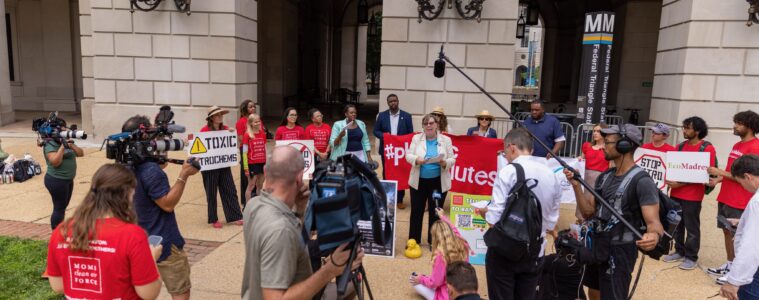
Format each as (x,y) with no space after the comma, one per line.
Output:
(292,115)
(483,119)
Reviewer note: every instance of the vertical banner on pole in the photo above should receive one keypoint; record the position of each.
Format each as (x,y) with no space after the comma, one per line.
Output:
(596,63)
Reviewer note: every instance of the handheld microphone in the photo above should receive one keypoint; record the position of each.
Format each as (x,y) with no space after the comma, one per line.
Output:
(439,70)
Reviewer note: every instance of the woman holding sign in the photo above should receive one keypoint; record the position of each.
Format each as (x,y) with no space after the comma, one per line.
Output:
(349,137)
(431,157)
(220,180)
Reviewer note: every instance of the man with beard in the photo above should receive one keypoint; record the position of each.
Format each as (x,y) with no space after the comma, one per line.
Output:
(732,197)
(395,122)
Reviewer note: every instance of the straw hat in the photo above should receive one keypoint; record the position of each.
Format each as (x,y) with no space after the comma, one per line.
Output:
(486,114)
(438,110)
(214,110)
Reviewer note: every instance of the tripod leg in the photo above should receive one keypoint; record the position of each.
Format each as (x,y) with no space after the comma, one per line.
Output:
(366,282)
(357,287)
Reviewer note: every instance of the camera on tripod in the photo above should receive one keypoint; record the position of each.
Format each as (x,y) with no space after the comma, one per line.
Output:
(147,144)
(54,128)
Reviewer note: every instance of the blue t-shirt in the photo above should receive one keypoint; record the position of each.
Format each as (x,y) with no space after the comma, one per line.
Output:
(153,184)
(355,136)
(430,170)
(547,130)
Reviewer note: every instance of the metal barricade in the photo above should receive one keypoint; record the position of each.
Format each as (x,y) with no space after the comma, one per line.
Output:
(674,138)
(584,133)
(502,126)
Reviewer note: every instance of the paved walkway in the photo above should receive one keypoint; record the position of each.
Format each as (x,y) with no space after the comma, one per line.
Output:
(218,254)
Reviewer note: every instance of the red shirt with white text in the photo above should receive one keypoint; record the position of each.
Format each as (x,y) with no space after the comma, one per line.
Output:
(320,135)
(287,134)
(256,147)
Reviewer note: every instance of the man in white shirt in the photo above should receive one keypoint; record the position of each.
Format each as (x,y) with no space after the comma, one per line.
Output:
(517,280)
(743,278)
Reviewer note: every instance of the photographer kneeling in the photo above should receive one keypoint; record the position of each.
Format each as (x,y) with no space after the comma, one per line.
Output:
(276,260)
(60,156)
(614,248)
(154,202)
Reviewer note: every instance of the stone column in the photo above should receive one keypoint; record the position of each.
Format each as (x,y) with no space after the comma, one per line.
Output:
(707,65)
(6,110)
(143,60)
(484,50)
(361,63)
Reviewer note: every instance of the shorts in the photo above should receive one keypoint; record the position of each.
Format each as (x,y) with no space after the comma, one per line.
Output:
(727,212)
(175,272)
(613,283)
(255,169)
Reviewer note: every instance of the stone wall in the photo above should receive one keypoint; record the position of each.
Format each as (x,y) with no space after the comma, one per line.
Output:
(484,50)
(135,62)
(707,64)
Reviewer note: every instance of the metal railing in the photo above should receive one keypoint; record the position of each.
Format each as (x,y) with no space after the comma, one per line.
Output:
(610,119)
(584,133)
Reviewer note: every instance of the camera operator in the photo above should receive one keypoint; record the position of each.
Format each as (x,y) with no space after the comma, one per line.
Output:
(154,202)
(276,259)
(60,156)
(614,246)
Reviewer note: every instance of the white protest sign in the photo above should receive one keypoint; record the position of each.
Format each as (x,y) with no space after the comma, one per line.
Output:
(688,166)
(306,148)
(655,163)
(567,191)
(214,149)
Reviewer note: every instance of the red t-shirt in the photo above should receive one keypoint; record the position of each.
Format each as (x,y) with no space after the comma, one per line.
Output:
(206,129)
(320,135)
(286,134)
(664,148)
(693,191)
(118,260)
(732,193)
(594,159)
(256,147)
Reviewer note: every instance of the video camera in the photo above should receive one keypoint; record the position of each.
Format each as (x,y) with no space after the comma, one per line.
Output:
(147,144)
(54,128)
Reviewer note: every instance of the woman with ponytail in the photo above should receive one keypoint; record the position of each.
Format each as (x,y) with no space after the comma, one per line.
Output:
(99,252)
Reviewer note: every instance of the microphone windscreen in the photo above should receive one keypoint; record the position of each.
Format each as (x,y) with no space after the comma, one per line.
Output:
(439,70)
(174,128)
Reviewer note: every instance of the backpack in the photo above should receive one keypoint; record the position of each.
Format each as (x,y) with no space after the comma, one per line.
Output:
(669,211)
(707,189)
(517,236)
(23,170)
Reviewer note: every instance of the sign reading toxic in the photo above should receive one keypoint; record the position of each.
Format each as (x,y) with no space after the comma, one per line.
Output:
(653,162)
(214,149)
(306,148)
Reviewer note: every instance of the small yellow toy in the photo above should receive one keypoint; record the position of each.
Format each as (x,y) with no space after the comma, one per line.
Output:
(412,249)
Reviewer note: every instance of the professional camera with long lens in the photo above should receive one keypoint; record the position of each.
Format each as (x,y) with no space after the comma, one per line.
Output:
(54,128)
(147,144)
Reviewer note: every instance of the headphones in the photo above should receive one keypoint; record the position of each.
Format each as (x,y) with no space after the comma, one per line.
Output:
(624,144)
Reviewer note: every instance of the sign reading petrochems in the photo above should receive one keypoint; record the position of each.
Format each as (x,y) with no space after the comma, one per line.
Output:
(214,149)
(596,63)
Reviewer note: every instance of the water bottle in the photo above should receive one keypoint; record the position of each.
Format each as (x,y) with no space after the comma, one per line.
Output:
(436,197)
(674,218)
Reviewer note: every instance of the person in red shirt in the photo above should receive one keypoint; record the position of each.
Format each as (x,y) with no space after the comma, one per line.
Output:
(254,154)
(732,197)
(319,132)
(689,196)
(289,129)
(247,107)
(104,254)
(660,134)
(595,160)
(220,180)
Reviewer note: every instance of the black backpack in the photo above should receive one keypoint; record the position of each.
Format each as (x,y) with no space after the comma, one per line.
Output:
(518,234)
(23,170)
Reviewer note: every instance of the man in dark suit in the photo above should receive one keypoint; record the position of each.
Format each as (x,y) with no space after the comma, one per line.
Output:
(396,122)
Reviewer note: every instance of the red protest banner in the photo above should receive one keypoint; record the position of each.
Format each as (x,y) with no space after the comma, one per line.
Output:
(474,172)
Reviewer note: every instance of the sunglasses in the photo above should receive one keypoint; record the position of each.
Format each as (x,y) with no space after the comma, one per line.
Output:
(483,119)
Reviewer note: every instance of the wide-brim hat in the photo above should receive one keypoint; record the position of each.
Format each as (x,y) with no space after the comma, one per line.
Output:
(215,110)
(438,110)
(484,114)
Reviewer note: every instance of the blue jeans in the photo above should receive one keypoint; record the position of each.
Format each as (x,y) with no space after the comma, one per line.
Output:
(751,290)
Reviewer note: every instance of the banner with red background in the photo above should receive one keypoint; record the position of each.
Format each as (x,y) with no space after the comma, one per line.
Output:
(473,173)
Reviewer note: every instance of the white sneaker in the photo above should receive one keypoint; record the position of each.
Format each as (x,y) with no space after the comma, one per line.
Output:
(721,270)
(721,280)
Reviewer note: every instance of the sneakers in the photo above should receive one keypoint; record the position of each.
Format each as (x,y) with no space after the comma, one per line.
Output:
(672,257)
(722,280)
(688,264)
(721,270)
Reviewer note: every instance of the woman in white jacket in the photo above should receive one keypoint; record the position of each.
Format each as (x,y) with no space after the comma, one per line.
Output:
(431,157)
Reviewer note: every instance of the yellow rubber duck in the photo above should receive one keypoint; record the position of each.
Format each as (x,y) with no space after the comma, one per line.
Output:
(412,249)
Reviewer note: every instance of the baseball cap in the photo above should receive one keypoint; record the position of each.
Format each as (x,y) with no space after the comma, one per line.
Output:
(661,128)
(632,132)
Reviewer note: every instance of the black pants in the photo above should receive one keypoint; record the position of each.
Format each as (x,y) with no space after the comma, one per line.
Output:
(401,193)
(614,283)
(509,280)
(221,181)
(420,198)
(60,190)
(690,225)
(243,182)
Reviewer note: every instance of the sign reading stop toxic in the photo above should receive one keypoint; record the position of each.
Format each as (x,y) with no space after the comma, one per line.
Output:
(655,163)
(306,149)
(214,149)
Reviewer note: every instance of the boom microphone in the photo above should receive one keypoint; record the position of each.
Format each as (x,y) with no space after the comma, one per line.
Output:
(439,70)
(174,128)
